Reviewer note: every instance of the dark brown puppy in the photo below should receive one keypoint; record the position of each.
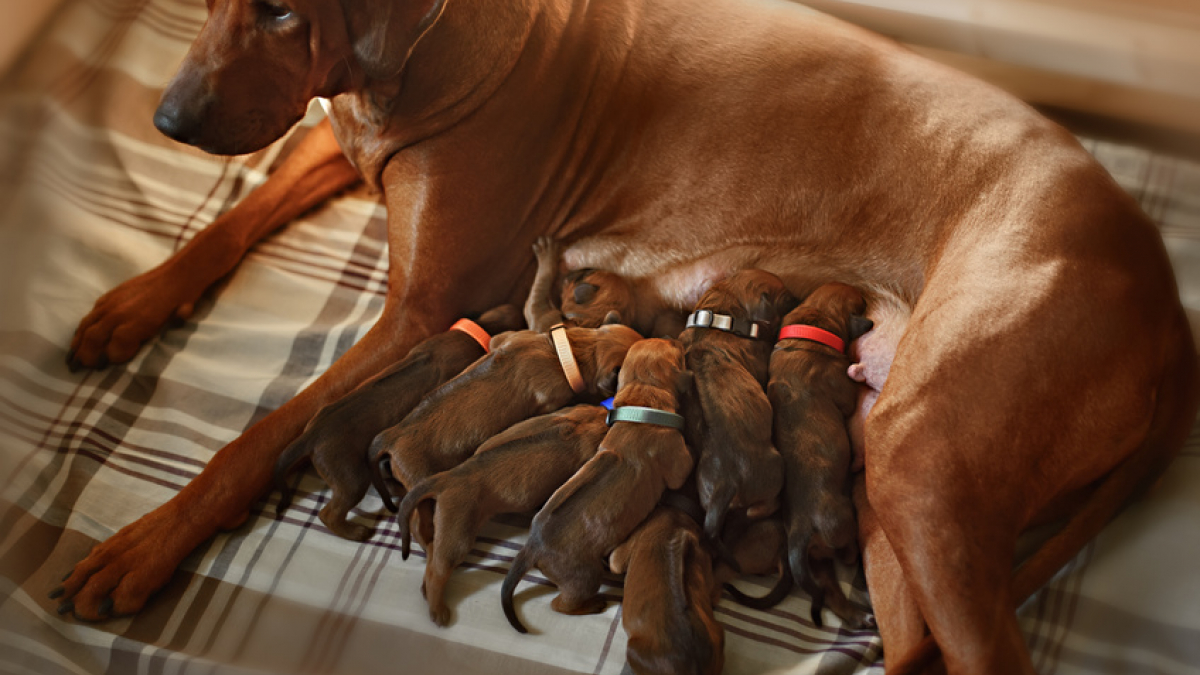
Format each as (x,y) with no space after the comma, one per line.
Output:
(589,297)
(730,417)
(813,397)
(521,377)
(669,597)
(336,441)
(515,471)
(596,510)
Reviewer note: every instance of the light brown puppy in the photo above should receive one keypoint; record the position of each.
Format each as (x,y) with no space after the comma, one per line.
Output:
(519,378)
(337,440)
(730,416)
(596,510)
(514,471)
(667,611)
(996,254)
(589,296)
(812,397)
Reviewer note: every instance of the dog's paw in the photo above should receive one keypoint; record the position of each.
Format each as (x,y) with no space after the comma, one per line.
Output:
(120,574)
(125,318)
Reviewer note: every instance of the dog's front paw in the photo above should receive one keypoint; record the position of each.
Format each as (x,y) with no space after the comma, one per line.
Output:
(120,574)
(123,319)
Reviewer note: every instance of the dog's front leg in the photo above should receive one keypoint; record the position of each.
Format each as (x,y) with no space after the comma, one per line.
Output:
(135,311)
(424,295)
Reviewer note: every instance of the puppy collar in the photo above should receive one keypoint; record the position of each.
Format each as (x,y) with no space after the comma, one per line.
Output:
(706,318)
(642,415)
(562,348)
(474,330)
(803,332)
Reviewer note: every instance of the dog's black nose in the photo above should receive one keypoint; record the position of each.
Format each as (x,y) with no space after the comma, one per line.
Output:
(175,124)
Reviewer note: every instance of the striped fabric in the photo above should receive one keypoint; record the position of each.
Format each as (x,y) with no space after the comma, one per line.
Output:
(91,194)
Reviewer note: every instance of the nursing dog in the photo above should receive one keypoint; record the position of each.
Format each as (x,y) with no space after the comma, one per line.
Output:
(674,142)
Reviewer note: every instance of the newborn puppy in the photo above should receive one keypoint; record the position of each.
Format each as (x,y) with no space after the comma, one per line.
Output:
(728,346)
(813,397)
(338,437)
(515,471)
(521,377)
(669,597)
(596,510)
(590,297)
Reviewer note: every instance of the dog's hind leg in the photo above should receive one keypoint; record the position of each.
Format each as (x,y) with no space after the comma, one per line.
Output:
(135,311)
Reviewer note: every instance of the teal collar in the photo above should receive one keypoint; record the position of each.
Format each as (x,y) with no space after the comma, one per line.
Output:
(636,413)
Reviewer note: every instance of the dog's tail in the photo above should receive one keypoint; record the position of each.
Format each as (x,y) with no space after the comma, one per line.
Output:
(296,453)
(1132,477)
(783,586)
(426,489)
(520,566)
(375,463)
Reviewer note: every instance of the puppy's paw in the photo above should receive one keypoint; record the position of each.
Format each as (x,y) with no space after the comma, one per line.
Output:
(546,249)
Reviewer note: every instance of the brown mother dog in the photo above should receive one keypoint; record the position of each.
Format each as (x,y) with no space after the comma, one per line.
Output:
(676,141)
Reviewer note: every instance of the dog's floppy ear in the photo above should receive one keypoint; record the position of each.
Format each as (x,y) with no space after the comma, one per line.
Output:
(613,316)
(859,325)
(384,32)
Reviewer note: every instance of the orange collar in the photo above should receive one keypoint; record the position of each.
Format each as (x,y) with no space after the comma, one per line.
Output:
(474,330)
(562,348)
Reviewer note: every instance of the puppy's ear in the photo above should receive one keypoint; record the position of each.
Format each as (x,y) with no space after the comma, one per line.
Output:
(859,325)
(384,32)
(606,381)
(613,316)
(764,309)
(683,385)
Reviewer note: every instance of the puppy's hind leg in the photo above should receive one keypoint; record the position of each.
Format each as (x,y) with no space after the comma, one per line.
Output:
(578,589)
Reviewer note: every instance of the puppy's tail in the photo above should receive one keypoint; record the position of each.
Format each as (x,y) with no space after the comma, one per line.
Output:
(375,460)
(783,586)
(426,489)
(293,455)
(520,566)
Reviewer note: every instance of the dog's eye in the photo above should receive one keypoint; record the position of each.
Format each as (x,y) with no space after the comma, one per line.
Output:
(273,10)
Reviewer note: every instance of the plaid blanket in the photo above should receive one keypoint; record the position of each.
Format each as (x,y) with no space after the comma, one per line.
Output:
(91,194)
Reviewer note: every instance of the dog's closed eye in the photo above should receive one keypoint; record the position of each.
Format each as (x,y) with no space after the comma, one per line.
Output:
(276,11)
(584,293)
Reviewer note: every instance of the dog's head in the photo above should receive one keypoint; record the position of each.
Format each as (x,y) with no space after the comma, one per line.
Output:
(752,294)
(590,296)
(657,363)
(256,64)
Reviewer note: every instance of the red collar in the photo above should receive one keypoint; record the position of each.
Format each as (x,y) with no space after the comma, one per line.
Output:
(474,330)
(813,333)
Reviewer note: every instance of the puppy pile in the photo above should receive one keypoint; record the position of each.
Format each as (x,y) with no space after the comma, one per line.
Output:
(726,443)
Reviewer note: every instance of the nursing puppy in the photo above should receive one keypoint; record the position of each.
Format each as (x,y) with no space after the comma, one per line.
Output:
(337,439)
(515,471)
(813,397)
(590,297)
(670,591)
(521,377)
(605,500)
(729,417)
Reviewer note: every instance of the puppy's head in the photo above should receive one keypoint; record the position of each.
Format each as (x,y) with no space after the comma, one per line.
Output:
(612,343)
(256,64)
(658,363)
(589,296)
(837,307)
(752,294)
